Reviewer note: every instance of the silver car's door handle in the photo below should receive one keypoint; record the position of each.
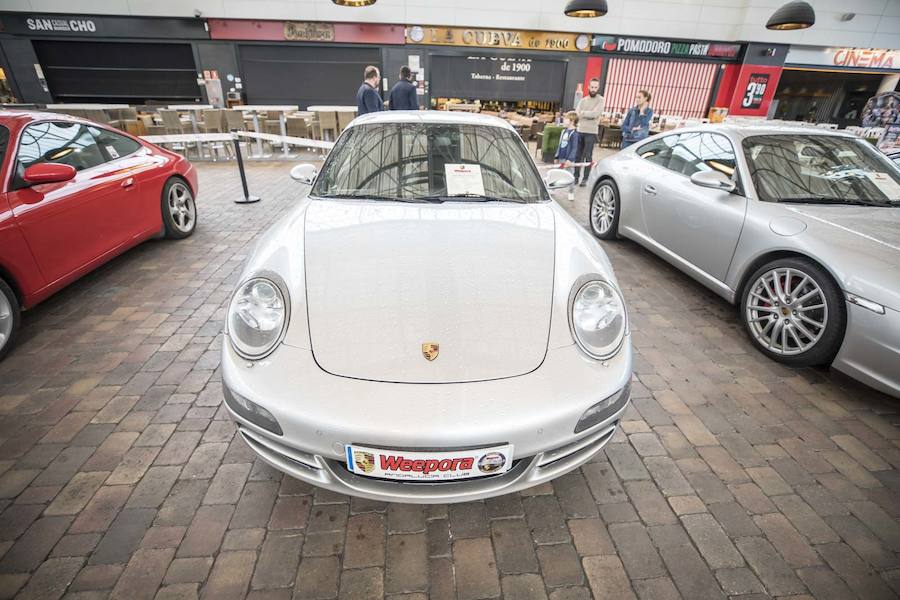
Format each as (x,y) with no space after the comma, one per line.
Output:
(650,189)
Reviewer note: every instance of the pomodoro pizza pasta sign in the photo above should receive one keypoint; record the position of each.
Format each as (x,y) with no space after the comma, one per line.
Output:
(667,48)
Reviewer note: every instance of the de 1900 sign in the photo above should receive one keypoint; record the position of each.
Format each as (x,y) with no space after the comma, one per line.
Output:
(497,78)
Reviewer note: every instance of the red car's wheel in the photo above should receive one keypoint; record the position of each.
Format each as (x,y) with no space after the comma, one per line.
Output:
(178,209)
(9,318)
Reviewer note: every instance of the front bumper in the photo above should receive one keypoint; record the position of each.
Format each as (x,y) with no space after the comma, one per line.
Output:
(871,349)
(319,413)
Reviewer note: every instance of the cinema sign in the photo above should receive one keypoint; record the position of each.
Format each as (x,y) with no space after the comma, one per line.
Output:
(845,58)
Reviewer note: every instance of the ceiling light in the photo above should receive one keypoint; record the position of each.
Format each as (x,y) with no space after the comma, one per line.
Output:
(793,15)
(586,8)
(354,2)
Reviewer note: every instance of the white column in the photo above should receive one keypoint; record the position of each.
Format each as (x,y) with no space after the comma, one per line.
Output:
(889,83)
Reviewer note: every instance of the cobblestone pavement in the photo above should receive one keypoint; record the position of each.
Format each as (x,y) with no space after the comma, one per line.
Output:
(121,476)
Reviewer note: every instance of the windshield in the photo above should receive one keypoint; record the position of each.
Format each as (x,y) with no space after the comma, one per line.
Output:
(430,162)
(821,169)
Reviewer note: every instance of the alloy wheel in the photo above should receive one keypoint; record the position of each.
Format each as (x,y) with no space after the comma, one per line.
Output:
(603,210)
(181,207)
(787,311)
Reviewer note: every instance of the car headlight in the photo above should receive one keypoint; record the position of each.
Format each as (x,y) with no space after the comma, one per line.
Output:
(597,318)
(256,317)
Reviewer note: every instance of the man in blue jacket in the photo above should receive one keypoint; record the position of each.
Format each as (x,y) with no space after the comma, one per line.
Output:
(403,94)
(367,98)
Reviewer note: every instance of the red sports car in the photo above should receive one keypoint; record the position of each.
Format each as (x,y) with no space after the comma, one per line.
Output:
(73,195)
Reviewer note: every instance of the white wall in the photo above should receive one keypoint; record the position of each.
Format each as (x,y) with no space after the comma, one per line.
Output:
(876,24)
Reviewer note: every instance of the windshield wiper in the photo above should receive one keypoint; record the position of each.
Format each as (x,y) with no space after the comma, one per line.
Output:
(367,197)
(468,198)
(814,200)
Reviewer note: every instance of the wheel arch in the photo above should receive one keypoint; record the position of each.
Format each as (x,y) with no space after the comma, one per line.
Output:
(771,255)
(8,278)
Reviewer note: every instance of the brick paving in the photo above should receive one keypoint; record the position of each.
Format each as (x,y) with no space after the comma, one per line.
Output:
(121,476)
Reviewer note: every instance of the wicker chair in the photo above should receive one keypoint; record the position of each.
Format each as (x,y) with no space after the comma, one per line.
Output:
(344,119)
(327,123)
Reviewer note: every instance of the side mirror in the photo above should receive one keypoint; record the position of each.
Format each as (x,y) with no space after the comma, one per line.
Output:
(305,173)
(48,173)
(559,178)
(715,180)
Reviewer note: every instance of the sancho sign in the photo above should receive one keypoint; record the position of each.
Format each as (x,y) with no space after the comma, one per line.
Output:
(498,38)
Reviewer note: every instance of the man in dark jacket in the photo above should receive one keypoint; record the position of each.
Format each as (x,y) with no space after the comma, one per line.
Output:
(403,94)
(367,98)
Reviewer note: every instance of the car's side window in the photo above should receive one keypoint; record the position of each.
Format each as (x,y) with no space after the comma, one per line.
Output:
(114,144)
(696,152)
(658,151)
(57,142)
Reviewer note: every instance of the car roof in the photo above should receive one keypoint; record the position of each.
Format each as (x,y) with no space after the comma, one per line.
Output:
(430,116)
(742,130)
(27,116)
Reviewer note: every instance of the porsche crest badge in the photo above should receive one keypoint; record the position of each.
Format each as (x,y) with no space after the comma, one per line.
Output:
(430,350)
(365,461)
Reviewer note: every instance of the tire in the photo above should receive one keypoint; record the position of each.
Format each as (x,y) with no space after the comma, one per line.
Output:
(10,314)
(604,210)
(179,210)
(798,330)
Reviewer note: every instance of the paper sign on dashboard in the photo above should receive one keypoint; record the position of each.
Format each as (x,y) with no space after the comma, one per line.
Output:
(463,179)
(886,184)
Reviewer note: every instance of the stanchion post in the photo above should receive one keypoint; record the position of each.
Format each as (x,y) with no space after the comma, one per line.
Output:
(247,199)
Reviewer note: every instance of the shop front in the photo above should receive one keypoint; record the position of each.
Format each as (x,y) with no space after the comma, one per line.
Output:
(682,76)
(832,85)
(65,58)
(302,63)
(496,71)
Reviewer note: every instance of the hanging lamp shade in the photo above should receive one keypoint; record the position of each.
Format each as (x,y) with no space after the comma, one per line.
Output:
(354,2)
(586,8)
(793,15)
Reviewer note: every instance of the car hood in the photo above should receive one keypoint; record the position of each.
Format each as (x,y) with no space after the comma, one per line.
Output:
(879,225)
(863,247)
(383,279)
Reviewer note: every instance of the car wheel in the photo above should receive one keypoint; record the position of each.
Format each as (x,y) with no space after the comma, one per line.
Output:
(794,312)
(9,318)
(178,209)
(604,210)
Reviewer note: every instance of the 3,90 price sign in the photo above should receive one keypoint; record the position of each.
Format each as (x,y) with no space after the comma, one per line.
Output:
(756,90)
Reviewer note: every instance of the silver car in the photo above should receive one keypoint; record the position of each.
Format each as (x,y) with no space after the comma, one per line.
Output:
(799,227)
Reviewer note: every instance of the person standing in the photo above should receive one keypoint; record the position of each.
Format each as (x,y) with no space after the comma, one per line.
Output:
(636,125)
(589,110)
(569,142)
(403,94)
(367,98)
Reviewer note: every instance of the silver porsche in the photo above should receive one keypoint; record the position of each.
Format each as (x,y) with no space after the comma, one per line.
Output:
(800,227)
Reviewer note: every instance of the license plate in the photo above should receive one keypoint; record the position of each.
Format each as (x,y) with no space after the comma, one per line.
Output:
(428,466)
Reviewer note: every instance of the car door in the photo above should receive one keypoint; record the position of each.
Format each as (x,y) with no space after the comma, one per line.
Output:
(700,225)
(136,169)
(71,223)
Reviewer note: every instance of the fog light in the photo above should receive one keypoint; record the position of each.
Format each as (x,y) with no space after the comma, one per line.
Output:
(254,413)
(603,410)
